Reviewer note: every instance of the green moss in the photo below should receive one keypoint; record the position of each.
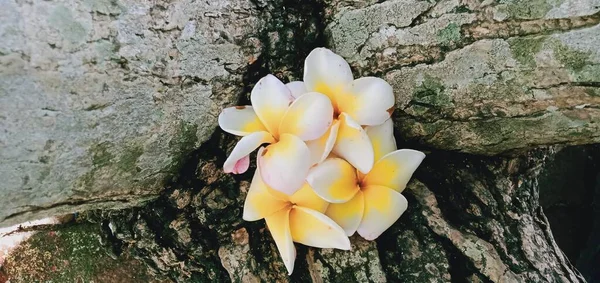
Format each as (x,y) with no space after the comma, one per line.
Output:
(572,59)
(589,73)
(431,91)
(527,9)
(101,157)
(450,34)
(71,253)
(524,49)
(182,143)
(128,161)
(71,30)
(593,91)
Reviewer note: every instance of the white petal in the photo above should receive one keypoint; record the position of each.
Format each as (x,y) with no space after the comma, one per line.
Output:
(334,180)
(240,121)
(349,214)
(308,117)
(369,101)
(297,88)
(279,226)
(394,169)
(245,146)
(326,72)
(383,207)
(321,147)
(270,99)
(284,165)
(314,229)
(260,203)
(353,144)
(382,138)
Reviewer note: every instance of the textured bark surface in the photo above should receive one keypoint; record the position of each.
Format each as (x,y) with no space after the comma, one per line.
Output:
(472,79)
(470,219)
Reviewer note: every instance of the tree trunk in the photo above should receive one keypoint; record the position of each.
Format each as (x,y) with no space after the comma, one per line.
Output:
(125,96)
(470,219)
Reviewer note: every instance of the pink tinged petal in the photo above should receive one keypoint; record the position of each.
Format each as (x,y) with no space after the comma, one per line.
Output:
(383,206)
(245,146)
(260,203)
(395,169)
(270,99)
(353,144)
(349,214)
(297,88)
(240,121)
(334,180)
(314,229)
(321,147)
(382,138)
(369,101)
(284,165)
(279,226)
(308,117)
(241,165)
(326,72)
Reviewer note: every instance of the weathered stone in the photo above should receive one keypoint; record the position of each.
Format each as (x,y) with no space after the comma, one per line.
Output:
(482,78)
(100,101)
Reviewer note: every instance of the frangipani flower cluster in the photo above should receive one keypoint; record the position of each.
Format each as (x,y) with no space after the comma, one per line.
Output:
(331,167)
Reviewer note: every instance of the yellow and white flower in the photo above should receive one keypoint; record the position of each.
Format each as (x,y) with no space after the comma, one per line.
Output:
(367,203)
(366,101)
(275,117)
(296,218)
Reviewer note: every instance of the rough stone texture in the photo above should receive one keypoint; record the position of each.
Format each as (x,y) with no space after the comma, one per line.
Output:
(482,77)
(100,101)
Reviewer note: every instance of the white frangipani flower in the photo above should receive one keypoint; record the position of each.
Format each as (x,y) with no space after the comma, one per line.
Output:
(296,218)
(367,203)
(366,101)
(275,117)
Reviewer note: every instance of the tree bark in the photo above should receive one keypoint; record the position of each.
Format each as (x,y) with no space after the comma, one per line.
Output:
(470,219)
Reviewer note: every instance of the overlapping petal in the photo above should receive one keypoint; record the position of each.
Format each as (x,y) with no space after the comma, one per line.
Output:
(321,147)
(349,214)
(306,197)
(245,146)
(334,180)
(369,101)
(284,165)
(353,144)
(383,206)
(259,202)
(240,121)
(297,88)
(279,226)
(327,73)
(314,229)
(270,99)
(382,138)
(308,117)
(394,169)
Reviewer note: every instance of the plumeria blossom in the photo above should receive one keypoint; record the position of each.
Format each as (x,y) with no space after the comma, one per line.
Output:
(284,122)
(367,203)
(366,101)
(296,218)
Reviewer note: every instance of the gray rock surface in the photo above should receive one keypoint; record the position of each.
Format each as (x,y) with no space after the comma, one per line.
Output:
(482,77)
(100,101)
